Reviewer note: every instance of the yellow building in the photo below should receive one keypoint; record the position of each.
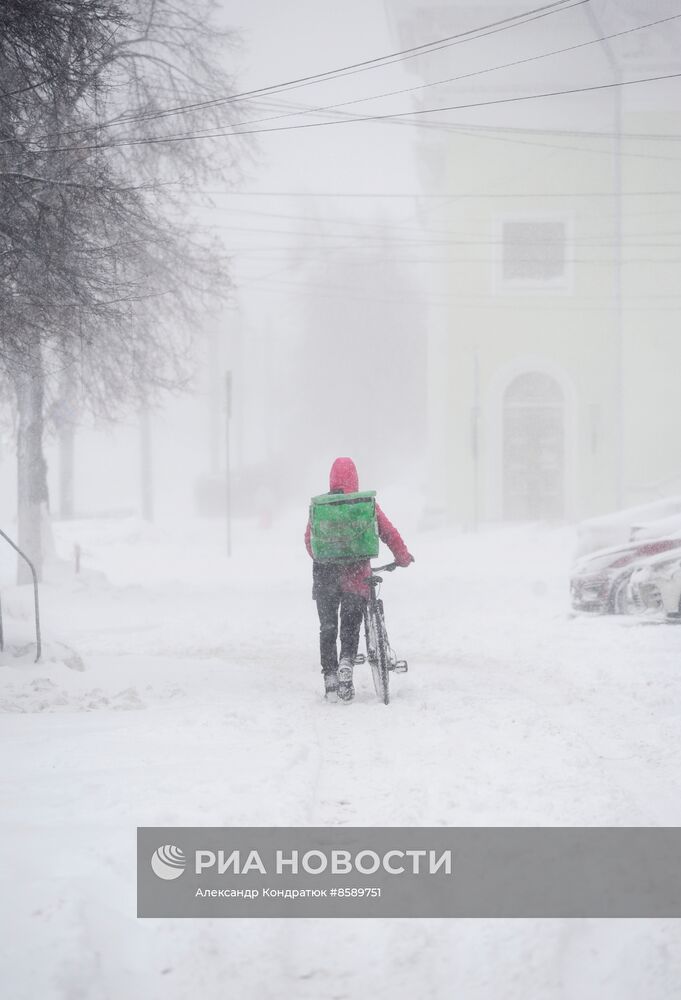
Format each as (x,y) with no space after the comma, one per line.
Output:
(554,347)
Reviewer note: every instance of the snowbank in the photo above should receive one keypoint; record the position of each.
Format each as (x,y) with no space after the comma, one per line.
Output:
(200,702)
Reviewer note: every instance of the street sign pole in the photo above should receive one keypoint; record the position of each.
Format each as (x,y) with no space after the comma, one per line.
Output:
(228,470)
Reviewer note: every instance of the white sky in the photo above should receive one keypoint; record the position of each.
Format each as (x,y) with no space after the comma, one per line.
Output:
(292,40)
(287,41)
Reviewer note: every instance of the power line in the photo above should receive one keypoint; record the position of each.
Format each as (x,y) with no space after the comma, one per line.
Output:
(324,220)
(481,131)
(468,239)
(480,134)
(205,133)
(416,195)
(514,129)
(462,301)
(579,133)
(312,253)
(504,24)
(180,137)
(305,286)
(399,224)
(477,104)
(466,76)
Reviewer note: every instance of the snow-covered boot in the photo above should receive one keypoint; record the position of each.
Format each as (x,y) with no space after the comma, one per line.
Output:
(346,689)
(331,686)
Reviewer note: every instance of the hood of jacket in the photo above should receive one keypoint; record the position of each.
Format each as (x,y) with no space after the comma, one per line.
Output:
(343,476)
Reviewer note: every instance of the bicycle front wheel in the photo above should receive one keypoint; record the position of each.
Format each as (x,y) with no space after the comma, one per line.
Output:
(377,648)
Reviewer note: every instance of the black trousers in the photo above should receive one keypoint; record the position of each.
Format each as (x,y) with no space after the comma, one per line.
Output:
(330,599)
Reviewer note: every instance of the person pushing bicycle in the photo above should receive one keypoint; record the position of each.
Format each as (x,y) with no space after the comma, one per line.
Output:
(339,581)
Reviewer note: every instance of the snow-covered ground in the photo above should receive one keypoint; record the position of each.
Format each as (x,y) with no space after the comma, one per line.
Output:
(181,688)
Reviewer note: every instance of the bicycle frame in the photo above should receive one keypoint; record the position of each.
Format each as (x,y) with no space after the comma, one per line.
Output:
(380,655)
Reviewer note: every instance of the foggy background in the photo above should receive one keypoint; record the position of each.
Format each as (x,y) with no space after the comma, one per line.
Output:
(362,251)
(477,298)
(390,279)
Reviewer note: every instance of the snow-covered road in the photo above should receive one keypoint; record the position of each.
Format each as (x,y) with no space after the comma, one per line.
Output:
(200,704)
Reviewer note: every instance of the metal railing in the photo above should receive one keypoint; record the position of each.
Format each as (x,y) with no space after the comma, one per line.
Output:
(36,603)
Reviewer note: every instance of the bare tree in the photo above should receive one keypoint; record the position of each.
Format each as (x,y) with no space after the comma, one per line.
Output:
(98,286)
(44,49)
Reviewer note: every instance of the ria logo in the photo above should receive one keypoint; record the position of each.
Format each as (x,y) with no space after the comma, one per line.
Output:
(168,862)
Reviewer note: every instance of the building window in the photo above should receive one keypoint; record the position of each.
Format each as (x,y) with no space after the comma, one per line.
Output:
(534,251)
(533,255)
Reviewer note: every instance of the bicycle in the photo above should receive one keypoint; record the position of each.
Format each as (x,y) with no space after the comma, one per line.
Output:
(380,654)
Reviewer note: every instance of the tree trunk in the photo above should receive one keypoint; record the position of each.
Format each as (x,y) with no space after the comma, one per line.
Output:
(31,466)
(146,467)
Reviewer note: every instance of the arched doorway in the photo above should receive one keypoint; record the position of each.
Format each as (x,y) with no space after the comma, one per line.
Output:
(534,448)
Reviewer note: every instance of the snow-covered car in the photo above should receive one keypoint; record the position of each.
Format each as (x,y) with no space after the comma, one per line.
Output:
(663,528)
(600,582)
(624,526)
(655,585)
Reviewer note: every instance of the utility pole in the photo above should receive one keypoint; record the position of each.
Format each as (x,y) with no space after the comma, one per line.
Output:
(66,469)
(617,276)
(145,465)
(65,415)
(475,440)
(214,393)
(228,463)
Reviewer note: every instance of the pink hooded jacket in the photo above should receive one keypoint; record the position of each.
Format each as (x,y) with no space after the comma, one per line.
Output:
(343,476)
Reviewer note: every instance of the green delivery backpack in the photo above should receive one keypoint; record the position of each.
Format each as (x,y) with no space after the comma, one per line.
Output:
(343,526)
